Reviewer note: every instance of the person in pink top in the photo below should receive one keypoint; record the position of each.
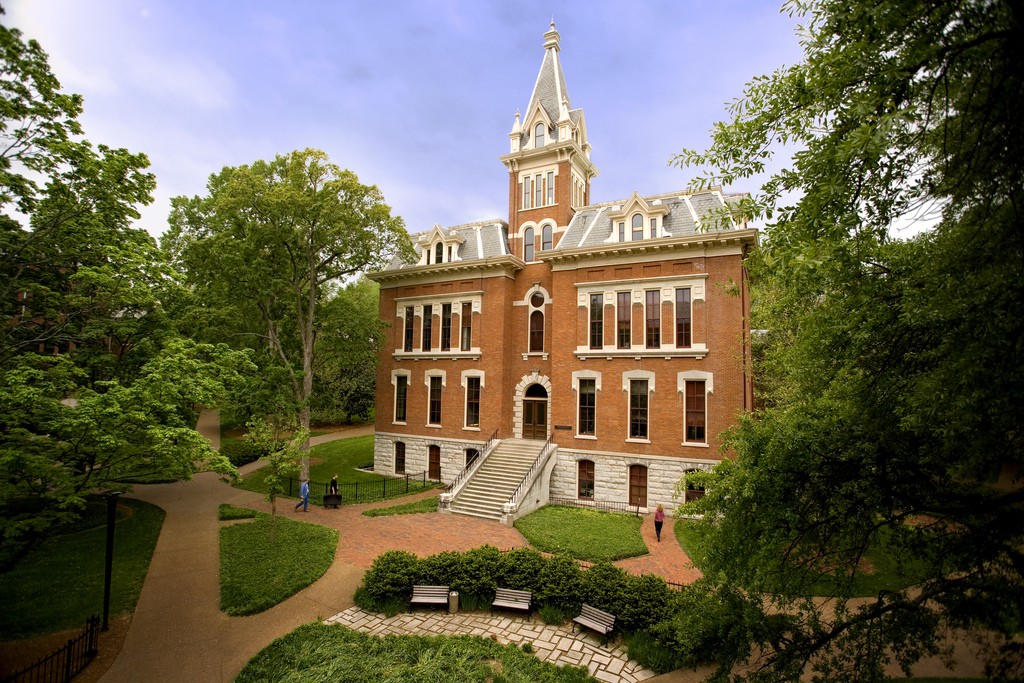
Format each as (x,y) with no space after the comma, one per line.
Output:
(659,519)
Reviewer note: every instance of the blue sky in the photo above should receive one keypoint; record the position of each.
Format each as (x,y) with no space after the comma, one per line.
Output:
(416,97)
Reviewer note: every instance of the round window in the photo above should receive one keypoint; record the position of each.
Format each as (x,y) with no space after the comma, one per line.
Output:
(537,300)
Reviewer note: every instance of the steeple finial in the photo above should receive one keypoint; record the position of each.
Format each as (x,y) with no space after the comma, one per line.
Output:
(551,37)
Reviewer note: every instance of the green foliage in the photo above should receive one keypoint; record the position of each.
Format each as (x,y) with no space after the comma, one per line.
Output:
(320,653)
(890,371)
(441,569)
(393,573)
(227,512)
(589,535)
(417,507)
(646,600)
(650,653)
(242,452)
(480,569)
(552,615)
(560,584)
(264,249)
(257,573)
(604,587)
(520,568)
(59,583)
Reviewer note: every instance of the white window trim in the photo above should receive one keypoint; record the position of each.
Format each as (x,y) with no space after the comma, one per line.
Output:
(443,374)
(464,381)
(709,388)
(577,375)
(395,374)
(628,377)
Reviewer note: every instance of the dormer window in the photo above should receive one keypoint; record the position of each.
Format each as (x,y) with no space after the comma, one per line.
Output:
(538,135)
(438,252)
(638,227)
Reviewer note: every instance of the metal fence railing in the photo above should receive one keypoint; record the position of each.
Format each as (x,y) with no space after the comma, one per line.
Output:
(65,662)
(362,491)
(604,506)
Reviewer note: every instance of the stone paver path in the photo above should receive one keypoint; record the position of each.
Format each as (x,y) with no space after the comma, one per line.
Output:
(555,644)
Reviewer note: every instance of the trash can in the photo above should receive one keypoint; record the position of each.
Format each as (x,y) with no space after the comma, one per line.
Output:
(453,602)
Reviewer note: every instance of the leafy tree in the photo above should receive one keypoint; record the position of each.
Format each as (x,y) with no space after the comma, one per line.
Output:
(273,238)
(893,367)
(281,456)
(95,386)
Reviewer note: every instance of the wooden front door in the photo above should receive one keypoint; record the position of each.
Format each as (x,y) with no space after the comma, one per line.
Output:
(535,416)
(434,463)
(638,485)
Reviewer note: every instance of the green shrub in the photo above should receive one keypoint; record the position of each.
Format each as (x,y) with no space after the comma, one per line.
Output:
(242,452)
(528,647)
(604,585)
(560,584)
(646,600)
(474,603)
(227,512)
(645,649)
(442,569)
(392,574)
(480,569)
(519,569)
(551,615)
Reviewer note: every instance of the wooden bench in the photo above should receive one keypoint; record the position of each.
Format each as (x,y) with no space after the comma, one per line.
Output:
(596,619)
(429,595)
(512,599)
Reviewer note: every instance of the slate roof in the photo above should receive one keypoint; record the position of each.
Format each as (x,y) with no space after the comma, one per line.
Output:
(481,240)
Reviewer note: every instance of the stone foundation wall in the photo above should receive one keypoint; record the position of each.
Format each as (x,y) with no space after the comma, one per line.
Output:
(453,454)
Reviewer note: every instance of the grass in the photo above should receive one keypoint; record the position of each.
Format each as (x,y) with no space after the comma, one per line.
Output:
(888,573)
(341,457)
(60,583)
(413,508)
(227,512)
(588,535)
(319,653)
(255,575)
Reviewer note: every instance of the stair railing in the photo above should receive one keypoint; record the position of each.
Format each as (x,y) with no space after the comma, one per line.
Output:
(448,495)
(527,481)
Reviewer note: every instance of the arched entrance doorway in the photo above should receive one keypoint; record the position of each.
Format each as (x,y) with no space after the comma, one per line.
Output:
(535,412)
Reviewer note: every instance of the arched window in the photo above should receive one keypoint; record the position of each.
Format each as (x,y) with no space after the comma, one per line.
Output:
(545,237)
(399,457)
(438,253)
(638,227)
(528,245)
(585,479)
(538,135)
(537,331)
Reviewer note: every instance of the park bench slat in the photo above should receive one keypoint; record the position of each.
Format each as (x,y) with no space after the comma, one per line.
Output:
(596,619)
(513,599)
(429,595)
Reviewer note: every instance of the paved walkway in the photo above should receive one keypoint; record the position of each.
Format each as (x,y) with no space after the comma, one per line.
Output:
(179,633)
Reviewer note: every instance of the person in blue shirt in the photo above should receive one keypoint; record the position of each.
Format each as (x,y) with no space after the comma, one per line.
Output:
(303,496)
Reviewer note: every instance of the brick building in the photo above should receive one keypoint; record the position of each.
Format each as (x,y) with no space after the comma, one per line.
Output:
(578,350)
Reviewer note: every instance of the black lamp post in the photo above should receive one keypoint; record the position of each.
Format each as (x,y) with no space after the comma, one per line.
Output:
(111,497)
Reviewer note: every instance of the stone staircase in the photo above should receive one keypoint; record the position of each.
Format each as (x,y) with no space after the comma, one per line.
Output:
(496,479)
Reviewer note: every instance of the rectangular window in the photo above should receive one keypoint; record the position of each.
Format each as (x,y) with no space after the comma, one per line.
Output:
(588,407)
(596,321)
(401,395)
(538,189)
(408,328)
(654,228)
(428,326)
(586,479)
(551,187)
(399,457)
(624,312)
(653,319)
(527,191)
(467,326)
(638,409)
(434,407)
(622,231)
(683,321)
(472,401)
(695,411)
(446,327)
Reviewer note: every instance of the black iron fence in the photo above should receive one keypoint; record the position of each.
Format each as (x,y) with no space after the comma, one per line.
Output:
(66,661)
(604,506)
(362,491)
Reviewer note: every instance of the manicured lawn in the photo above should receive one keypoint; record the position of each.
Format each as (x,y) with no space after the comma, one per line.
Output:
(60,583)
(341,457)
(416,507)
(255,575)
(318,653)
(887,573)
(583,534)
